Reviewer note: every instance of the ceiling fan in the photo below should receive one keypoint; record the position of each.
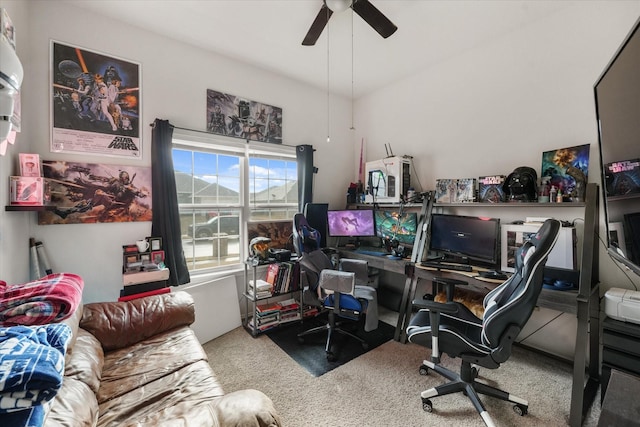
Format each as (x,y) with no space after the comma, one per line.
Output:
(364,8)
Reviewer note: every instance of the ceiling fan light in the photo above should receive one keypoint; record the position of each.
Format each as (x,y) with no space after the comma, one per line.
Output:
(338,5)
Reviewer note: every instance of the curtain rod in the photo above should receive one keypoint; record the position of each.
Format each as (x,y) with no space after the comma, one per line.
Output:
(211,133)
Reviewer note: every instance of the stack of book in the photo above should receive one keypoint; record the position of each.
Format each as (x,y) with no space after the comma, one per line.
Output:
(289,311)
(267,316)
(309,311)
(144,283)
(260,289)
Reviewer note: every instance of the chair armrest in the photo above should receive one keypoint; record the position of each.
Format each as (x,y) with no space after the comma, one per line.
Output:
(449,285)
(448,307)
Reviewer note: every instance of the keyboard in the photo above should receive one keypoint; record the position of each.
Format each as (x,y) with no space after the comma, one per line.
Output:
(446,266)
(372,252)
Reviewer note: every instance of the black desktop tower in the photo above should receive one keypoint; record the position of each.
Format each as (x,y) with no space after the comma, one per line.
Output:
(316,214)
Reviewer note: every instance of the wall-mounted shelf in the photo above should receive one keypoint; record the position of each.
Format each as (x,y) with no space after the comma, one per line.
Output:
(28,208)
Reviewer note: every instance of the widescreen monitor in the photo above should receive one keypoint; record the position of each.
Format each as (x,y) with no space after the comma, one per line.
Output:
(351,223)
(392,225)
(473,239)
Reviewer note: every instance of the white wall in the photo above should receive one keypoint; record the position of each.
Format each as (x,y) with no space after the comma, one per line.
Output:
(499,106)
(175,78)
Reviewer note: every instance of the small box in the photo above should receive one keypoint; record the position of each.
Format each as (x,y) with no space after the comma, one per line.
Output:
(26,191)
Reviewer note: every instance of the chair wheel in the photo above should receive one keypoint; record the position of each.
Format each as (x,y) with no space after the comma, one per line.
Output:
(474,372)
(424,370)
(427,406)
(331,357)
(521,410)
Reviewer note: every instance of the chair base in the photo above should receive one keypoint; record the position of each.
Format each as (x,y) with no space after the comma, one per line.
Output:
(465,382)
(331,329)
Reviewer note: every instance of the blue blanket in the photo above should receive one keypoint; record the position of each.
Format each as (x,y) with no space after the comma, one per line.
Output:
(31,371)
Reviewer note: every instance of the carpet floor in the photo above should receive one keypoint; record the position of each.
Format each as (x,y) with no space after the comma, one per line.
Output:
(382,387)
(311,354)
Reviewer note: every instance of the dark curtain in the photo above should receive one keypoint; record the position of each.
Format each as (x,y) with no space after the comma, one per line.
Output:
(304,157)
(166,216)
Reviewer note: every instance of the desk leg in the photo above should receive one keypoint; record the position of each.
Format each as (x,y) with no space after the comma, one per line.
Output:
(405,306)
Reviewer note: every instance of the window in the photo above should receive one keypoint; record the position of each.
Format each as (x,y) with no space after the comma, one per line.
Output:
(221,183)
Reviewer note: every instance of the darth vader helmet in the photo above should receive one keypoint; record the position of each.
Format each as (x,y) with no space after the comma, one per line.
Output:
(521,185)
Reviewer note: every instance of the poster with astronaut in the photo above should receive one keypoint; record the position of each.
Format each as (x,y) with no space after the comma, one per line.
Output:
(95,103)
(237,117)
(83,193)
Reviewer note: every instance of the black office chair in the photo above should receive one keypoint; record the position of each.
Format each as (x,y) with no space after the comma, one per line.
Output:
(332,288)
(451,328)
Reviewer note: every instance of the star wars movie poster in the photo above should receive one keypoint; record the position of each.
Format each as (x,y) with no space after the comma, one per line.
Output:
(230,115)
(95,103)
(83,193)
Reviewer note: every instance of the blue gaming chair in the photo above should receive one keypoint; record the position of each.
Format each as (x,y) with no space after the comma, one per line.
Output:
(451,328)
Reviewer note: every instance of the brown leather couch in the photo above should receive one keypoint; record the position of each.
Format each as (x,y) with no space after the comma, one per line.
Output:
(138,363)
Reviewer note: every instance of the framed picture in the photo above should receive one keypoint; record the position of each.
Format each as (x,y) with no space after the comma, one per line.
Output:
(131,261)
(95,103)
(129,249)
(155,243)
(157,257)
(233,116)
(29,164)
(84,193)
(145,257)
(567,170)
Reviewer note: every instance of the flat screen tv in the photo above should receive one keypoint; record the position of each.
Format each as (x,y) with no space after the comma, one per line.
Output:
(617,102)
(351,223)
(467,239)
(392,225)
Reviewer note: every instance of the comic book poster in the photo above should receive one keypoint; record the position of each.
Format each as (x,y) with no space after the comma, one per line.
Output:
(490,189)
(622,178)
(466,190)
(83,193)
(567,169)
(230,115)
(95,103)
(446,190)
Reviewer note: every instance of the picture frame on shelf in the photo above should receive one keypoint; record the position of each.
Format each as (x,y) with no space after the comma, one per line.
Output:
(157,257)
(131,261)
(155,243)
(145,257)
(129,249)
(29,164)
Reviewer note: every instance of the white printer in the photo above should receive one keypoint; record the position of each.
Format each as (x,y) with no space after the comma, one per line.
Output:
(622,304)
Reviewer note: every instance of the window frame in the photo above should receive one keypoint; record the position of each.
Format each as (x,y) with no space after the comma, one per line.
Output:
(191,140)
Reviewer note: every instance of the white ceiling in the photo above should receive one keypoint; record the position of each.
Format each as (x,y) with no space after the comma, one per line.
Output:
(268,34)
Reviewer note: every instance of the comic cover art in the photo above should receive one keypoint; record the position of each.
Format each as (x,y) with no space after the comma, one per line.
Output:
(490,189)
(567,169)
(466,190)
(89,193)
(622,177)
(446,190)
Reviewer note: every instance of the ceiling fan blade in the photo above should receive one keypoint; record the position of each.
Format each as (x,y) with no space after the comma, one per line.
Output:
(374,17)
(318,26)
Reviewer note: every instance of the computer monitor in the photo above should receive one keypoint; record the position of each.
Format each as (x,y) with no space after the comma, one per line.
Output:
(389,224)
(473,240)
(351,223)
